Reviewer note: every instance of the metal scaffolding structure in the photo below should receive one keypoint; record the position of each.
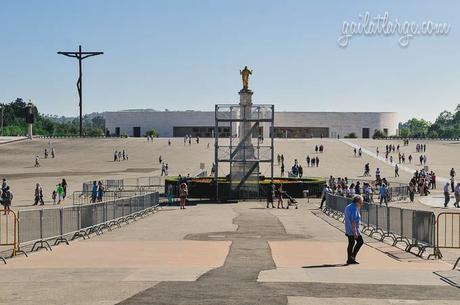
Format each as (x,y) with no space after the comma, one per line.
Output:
(245,149)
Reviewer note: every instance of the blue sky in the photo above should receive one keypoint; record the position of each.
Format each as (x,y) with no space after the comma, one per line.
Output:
(187,55)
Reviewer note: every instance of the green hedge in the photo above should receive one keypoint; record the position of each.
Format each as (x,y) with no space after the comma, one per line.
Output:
(205,187)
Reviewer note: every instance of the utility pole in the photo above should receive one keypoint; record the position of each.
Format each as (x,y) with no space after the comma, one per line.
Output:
(80,56)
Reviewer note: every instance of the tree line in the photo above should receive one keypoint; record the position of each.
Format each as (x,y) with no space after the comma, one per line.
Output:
(446,125)
(14,122)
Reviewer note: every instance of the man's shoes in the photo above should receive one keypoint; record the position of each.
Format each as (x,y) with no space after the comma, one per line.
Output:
(352,262)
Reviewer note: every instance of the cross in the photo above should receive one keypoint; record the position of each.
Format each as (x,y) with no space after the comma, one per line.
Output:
(80,56)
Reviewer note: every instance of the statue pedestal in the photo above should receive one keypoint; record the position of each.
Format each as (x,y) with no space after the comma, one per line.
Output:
(246,151)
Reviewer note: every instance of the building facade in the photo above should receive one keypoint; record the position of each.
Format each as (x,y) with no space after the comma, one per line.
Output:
(135,123)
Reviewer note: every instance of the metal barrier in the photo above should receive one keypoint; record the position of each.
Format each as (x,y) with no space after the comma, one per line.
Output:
(39,227)
(158,181)
(447,232)
(415,228)
(109,184)
(8,233)
(396,191)
(86,197)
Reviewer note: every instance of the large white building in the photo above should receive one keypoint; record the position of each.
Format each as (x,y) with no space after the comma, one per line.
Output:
(136,123)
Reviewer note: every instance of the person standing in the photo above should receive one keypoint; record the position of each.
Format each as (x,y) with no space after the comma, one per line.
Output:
(7,198)
(411,190)
(170,194)
(452,183)
(352,228)
(93,192)
(457,195)
(64,186)
(183,193)
(271,189)
(38,195)
(317,161)
(282,169)
(100,191)
(324,195)
(446,194)
(53,153)
(396,170)
(383,194)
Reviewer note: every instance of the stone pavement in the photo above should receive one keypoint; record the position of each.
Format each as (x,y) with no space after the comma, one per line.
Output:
(223,254)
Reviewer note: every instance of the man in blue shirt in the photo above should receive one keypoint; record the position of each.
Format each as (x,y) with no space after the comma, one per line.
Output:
(352,228)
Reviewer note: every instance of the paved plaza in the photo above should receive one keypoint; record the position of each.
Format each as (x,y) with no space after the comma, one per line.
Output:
(79,160)
(219,253)
(225,254)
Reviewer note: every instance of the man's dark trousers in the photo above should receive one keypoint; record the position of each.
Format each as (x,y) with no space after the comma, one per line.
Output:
(352,249)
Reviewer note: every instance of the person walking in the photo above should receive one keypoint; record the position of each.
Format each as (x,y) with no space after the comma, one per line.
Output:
(396,170)
(446,194)
(38,195)
(282,169)
(60,193)
(271,189)
(452,183)
(352,228)
(64,186)
(183,193)
(279,195)
(457,195)
(37,161)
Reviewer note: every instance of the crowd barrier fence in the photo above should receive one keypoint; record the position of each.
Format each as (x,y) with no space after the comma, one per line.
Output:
(414,228)
(86,197)
(447,232)
(38,228)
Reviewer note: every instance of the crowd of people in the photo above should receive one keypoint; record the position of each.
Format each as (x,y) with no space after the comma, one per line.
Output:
(454,188)
(6,197)
(348,188)
(97,191)
(297,169)
(120,155)
(164,166)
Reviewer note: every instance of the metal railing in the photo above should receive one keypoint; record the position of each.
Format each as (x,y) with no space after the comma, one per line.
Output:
(158,181)
(396,191)
(447,232)
(39,227)
(109,185)
(8,232)
(415,228)
(86,197)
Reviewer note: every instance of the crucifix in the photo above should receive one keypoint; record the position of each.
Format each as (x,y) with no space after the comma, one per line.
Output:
(80,56)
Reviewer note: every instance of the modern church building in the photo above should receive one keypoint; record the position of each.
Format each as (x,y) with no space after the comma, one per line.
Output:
(135,123)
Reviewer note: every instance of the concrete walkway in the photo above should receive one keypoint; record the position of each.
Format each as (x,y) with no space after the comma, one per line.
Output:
(223,254)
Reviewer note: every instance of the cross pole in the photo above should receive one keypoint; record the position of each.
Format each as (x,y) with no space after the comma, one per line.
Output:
(80,56)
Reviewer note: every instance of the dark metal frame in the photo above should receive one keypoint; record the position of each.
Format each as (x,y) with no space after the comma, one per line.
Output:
(242,118)
(80,56)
